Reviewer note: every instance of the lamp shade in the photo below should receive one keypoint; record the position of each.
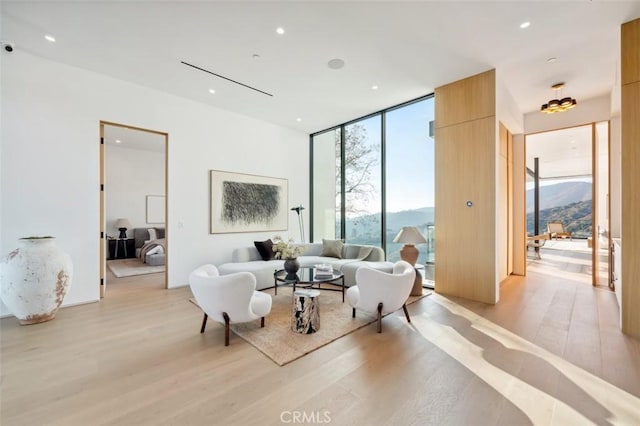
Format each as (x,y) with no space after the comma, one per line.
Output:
(409,235)
(122,223)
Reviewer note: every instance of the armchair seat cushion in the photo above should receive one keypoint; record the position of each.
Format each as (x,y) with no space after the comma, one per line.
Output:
(260,303)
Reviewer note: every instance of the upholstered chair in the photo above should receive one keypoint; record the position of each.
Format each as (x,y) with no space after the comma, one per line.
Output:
(381,292)
(228,299)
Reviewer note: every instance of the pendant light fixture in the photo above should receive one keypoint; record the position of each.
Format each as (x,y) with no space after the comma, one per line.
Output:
(559,104)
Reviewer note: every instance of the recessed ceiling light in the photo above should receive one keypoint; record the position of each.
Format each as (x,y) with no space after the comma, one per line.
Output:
(298,119)
(552,60)
(280,30)
(374,87)
(212,91)
(525,25)
(118,141)
(50,38)
(336,64)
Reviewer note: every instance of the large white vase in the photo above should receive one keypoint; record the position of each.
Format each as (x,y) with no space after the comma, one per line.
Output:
(34,279)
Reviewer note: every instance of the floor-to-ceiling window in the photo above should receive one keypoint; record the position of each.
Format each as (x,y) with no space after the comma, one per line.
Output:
(326,190)
(363,181)
(410,190)
(372,176)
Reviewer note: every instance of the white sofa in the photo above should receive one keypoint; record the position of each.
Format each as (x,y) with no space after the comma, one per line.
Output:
(247,259)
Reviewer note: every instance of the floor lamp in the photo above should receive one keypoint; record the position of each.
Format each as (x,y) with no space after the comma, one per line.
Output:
(300,220)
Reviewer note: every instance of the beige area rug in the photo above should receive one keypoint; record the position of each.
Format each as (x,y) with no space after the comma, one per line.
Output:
(282,345)
(130,267)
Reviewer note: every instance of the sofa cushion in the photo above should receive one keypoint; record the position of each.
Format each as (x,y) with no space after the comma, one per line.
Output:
(332,248)
(265,248)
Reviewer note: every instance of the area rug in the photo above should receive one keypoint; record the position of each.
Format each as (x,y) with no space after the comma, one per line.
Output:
(278,342)
(130,267)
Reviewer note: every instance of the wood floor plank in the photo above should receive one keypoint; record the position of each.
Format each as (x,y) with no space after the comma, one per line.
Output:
(137,357)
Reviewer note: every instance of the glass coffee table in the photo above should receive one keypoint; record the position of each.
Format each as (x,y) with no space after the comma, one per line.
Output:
(307,277)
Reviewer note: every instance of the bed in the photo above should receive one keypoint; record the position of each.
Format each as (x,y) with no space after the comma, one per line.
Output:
(150,245)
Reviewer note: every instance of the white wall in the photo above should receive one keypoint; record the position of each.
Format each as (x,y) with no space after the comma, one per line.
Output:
(131,175)
(586,111)
(50,163)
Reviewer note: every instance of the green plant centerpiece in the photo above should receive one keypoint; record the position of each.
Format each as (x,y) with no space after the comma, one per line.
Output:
(289,251)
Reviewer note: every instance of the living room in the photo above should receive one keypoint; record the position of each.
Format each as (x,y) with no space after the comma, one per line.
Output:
(52,108)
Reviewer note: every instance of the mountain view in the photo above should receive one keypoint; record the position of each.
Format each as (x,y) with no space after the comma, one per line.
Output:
(560,194)
(567,202)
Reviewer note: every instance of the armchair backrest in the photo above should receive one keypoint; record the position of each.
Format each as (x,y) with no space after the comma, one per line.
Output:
(216,294)
(555,227)
(390,289)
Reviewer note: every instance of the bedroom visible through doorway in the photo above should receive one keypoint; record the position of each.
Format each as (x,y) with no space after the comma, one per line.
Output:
(133,200)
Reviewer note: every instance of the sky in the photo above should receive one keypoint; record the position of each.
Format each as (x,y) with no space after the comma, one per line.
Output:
(410,158)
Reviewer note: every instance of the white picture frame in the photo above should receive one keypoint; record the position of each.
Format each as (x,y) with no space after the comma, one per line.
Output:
(155,209)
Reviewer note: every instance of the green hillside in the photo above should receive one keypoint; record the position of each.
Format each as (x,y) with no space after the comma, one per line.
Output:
(576,218)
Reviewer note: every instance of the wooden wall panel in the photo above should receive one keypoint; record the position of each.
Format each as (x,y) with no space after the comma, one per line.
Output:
(631,209)
(510,195)
(465,100)
(630,152)
(630,57)
(503,203)
(519,217)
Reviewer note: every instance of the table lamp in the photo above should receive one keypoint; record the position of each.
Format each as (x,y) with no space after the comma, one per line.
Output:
(122,225)
(409,236)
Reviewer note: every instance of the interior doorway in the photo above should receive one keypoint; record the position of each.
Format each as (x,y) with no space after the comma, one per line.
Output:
(568,201)
(133,206)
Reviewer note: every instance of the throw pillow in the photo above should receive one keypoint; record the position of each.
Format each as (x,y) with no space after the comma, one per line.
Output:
(152,234)
(265,248)
(332,248)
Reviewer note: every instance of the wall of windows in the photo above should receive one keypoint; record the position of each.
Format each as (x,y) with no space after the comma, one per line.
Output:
(409,169)
(372,176)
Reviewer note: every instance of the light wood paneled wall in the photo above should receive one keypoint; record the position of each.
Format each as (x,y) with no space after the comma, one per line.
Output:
(466,171)
(510,195)
(519,215)
(630,151)
(503,204)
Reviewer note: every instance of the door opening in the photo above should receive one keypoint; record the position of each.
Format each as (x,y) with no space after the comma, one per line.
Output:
(133,204)
(567,201)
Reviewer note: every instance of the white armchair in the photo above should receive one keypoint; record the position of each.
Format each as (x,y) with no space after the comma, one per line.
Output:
(377,291)
(228,299)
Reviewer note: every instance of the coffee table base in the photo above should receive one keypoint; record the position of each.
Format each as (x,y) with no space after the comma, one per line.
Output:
(305,310)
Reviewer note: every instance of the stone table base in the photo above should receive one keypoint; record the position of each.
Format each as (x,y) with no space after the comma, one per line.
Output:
(305,311)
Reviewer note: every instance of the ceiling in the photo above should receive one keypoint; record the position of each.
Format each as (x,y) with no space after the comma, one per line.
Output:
(125,137)
(405,48)
(562,153)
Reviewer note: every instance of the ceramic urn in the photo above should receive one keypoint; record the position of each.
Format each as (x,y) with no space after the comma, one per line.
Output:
(34,279)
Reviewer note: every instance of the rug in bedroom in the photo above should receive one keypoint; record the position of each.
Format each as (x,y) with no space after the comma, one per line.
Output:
(130,267)
(278,342)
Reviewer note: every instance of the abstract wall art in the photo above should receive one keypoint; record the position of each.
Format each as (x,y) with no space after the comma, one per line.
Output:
(247,203)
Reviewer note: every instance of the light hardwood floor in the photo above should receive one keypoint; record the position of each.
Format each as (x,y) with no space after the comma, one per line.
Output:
(549,353)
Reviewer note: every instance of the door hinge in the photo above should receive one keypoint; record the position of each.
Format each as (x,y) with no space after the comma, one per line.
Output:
(102,281)
(102,187)
(101,141)
(101,234)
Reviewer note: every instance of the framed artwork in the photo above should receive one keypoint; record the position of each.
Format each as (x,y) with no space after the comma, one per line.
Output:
(155,209)
(247,203)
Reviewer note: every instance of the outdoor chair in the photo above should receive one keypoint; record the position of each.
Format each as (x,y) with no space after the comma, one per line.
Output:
(536,242)
(556,230)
